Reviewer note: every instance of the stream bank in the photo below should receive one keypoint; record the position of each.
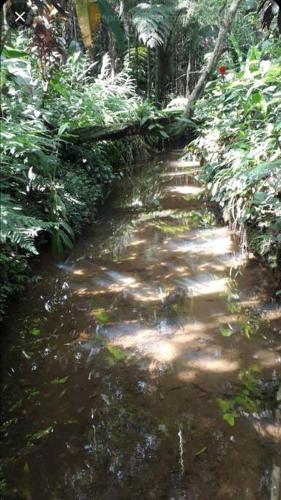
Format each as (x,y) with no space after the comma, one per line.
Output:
(148,364)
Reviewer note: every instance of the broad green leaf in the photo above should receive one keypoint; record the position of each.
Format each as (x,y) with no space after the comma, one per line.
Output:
(226,332)
(59,381)
(229,418)
(35,332)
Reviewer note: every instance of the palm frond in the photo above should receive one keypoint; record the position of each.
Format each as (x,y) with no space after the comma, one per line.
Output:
(153,22)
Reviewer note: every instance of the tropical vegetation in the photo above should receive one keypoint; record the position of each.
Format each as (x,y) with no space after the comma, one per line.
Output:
(241,151)
(68,66)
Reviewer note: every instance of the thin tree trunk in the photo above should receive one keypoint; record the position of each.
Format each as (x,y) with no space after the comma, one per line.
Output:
(123,14)
(157,74)
(136,61)
(188,71)
(148,91)
(224,29)
(4,28)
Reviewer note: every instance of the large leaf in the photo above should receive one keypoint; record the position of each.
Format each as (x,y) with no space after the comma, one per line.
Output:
(90,13)
(89,18)
(94,15)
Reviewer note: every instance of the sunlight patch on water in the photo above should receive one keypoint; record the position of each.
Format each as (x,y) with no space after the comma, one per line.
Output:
(271,313)
(123,279)
(266,359)
(189,337)
(176,173)
(205,284)
(116,282)
(269,430)
(216,365)
(215,241)
(208,363)
(183,163)
(136,243)
(192,190)
(131,335)
(78,272)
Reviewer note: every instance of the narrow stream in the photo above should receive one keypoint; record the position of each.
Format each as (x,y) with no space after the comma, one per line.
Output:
(146,365)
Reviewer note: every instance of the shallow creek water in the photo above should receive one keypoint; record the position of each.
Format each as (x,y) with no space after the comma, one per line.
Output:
(115,361)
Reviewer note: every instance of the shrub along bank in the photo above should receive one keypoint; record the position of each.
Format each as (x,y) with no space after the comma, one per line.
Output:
(240,148)
(50,188)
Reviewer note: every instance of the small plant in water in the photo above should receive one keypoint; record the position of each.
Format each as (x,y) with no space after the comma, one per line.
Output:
(246,400)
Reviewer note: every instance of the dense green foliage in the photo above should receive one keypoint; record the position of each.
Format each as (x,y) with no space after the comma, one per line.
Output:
(50,188)
(240,148)
(51,85)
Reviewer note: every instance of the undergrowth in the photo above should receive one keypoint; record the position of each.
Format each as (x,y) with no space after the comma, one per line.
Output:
(240,149)
(50,188)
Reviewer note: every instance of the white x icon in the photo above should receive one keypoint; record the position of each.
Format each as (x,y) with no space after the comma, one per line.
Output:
(20,17)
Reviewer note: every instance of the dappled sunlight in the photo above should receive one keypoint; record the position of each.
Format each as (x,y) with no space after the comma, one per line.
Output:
(232,260)
(184,164)
(129,286)
(145,293)
(222,318)
(136,243)
(209,364)
(144,340)
(271,314)
(206,364)
(89,292)
(187,376)
(192,337)
(79,272)
(142,359)
(213,242)
(201,332)
(205,284)
(250,302)
(266,358)
(271,431)
(176,173)
(123,279)
(186,190)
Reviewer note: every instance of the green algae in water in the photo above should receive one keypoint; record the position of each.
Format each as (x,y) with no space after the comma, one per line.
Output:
(101,316)
(117,354)
(186,221)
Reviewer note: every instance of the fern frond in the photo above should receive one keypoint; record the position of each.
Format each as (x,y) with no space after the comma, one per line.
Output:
(18,228)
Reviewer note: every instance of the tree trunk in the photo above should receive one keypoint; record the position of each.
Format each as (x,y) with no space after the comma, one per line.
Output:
(123,14)
(136,59)
(224,29)
(4,28)
(148,91)
(188,71)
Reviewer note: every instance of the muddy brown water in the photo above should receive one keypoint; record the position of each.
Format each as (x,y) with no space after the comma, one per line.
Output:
(144,366)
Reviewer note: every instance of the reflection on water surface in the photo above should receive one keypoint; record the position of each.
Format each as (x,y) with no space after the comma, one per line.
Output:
(148,364)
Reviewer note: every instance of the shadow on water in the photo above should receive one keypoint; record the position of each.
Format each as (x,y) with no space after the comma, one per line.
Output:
(148,363)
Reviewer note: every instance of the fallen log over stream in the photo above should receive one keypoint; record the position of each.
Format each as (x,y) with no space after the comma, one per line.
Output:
(96,133)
